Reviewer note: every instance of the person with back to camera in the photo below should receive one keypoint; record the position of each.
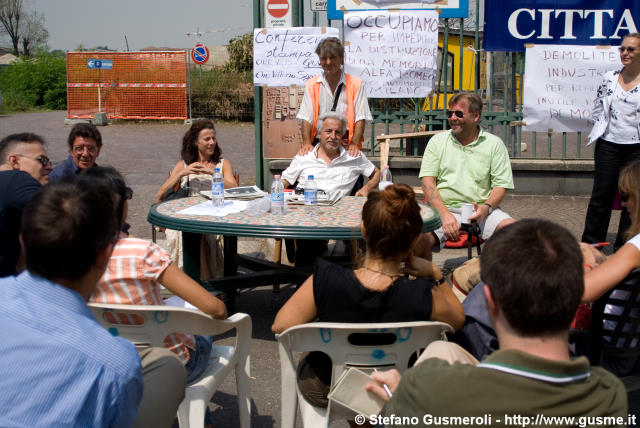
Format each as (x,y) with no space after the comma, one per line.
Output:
(136,271)
(532,294)
(604,274)
(377,291)
(58,366)
(616,132)
(200,154)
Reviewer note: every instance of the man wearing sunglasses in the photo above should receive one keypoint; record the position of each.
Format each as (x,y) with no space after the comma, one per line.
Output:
(84,143)
(464,165)
(24,169)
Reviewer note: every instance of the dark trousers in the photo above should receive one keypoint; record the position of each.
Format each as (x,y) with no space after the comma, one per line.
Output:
(609,158)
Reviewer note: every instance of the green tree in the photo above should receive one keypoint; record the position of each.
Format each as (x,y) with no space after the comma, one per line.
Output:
(240,53)
(35,82)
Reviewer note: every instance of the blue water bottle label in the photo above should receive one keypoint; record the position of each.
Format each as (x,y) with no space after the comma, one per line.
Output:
(277,198)
(310,197)
(217,188)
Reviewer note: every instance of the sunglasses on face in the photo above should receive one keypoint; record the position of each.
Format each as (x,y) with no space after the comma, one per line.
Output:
(44,160)
(459,113)
(629,49)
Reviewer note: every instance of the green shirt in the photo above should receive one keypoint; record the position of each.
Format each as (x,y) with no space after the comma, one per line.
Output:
(466,173)
(509,384)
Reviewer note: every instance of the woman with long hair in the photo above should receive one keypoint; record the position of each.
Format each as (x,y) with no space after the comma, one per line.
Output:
(378,290)
(200,154)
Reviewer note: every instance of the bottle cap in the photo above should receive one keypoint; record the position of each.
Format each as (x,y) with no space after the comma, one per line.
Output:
(310,177)
(216,170)
(277,176)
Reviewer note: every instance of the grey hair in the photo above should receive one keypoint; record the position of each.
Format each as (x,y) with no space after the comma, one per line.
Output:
(332,115)
(330,46)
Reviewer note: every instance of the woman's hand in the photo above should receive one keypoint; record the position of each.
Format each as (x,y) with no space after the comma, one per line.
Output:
(198,168)
(591,256)
(422,268)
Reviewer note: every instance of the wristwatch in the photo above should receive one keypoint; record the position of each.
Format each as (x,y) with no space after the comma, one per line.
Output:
(490,208)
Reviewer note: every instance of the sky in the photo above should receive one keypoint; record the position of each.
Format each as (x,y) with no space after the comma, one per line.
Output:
(160,23)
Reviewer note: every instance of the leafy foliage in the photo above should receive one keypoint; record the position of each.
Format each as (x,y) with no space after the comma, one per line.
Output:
(240,53)
(34,82)
(222,94)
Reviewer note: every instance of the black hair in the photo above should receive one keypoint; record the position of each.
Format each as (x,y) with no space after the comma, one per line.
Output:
(66,225)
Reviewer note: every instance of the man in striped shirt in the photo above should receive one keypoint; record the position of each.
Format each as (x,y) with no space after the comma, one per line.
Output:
(58,366)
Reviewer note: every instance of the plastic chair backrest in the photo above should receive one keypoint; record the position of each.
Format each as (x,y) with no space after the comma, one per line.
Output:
(615,321)
(395,343)
(160,321)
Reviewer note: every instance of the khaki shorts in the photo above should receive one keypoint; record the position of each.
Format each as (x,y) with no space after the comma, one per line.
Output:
(487,227)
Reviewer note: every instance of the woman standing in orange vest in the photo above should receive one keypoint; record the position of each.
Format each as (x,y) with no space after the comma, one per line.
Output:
(333,90)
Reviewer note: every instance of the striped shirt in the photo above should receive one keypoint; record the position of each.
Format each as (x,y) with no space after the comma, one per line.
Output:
(58,366)
(132,278)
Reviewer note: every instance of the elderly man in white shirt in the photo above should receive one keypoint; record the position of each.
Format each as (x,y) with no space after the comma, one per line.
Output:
(335,171)
(333,168)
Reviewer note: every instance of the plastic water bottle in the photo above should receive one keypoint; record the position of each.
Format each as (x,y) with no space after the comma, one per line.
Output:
(310,194)
(217,189)
(385,178)
(277,196)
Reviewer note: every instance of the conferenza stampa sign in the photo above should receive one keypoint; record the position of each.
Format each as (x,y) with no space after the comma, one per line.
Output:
(509,25)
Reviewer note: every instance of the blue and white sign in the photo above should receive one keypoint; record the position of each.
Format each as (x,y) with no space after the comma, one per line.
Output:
(509,25)
(446,9)
(104,64)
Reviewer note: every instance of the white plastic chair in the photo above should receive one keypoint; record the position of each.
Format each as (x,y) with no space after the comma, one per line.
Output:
(160,321)
(333,340)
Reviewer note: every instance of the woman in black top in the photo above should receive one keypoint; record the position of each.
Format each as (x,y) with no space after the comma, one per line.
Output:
(377,291)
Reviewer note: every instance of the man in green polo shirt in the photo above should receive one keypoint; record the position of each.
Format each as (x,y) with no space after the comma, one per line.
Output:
(534,283)
(464,165)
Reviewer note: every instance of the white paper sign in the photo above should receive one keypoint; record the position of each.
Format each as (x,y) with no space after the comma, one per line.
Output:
(394,53)
(286,56)
(560,84)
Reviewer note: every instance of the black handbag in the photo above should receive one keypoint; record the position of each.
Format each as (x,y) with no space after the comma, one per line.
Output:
(176,192)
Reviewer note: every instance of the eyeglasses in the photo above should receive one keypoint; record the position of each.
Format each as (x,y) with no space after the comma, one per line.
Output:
(80,149)
(44,160)
(624,196)
(629,49)
(128,193)
(459,113)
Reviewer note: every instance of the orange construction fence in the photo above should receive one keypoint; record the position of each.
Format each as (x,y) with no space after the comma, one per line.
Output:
(141,85)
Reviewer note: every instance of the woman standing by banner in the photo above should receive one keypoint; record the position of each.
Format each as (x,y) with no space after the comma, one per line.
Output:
(616,131)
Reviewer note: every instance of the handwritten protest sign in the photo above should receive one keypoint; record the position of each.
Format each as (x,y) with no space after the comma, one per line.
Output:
(394,53)
(286,56)
(560,84)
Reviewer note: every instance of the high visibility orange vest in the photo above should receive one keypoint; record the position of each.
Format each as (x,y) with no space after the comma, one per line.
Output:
(351,87)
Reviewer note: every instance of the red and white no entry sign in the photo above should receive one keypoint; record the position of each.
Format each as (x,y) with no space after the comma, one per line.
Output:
(278,8)
(200,54)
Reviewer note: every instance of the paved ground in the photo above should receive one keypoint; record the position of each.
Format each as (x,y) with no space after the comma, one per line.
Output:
(145,152)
